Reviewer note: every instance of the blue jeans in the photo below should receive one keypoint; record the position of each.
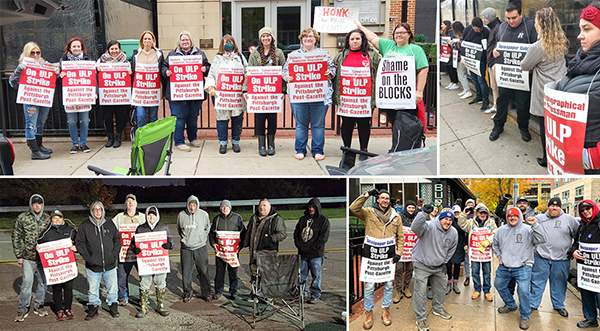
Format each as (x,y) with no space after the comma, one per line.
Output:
(110,281)
(555,271)
(523,277)
(476,267)
(467,266)
(32,269)
(313,265)
(123,271)
(368,301)
(313,114)
(186,113)
(590,302)
(481,85)
(78,138)
(236,129)
(141,114)
(34,120)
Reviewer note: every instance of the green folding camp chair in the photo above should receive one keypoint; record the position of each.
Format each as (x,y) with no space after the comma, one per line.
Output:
(151,148)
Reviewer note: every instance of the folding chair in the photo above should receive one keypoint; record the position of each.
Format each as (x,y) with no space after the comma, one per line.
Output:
(275,287)
(151,149)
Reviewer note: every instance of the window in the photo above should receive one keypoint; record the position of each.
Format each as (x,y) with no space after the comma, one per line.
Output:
(565,196)
(225,18)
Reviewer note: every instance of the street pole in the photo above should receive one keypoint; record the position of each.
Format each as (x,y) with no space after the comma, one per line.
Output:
(515,191)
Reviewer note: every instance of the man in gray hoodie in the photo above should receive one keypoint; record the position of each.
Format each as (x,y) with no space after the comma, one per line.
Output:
(436,243)
(514,243)
(550,259)
(193,226)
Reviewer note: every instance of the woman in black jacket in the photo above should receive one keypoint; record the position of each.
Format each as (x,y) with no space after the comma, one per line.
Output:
(62,294)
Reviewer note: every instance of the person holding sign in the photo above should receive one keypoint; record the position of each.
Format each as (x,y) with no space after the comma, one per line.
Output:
(152,224)
(185,101)
(62,293)
(514,244)
(267,54)
(519,30)
(478,34)
(453,266)
(546,58)
(310,236)
(458,28)
(115,112)
(309,71)
(152,59)
(583,78)
(384,242)
(75,51)
(28,228)
(550,259)
(399,88)
(225,82)
(587,238)
(480,228)
(404,267)
(446,35)
(227,231)
(35,116)
(127,222)
(98,244)
(354,89)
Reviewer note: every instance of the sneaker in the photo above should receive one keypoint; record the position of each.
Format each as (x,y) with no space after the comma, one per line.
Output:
(523,324)
(454,87)
(22,315)
(40,311)
(222,149)
(74,149)
(422,325)
(69,314)
(236,148)
(475,101)
(448,86)
(60,315)
(493,116)
(187,298)
(123,302)
(490,110)
(467,95)
(196,143)
(462,93)
(314,301)
(319,157)
(585,324)
(114,310)
(442,314)
(299,156)
(84,148)
(506,309)
(183,148)
(562,312)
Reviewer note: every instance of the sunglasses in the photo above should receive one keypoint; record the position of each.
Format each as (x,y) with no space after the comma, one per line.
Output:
(36,52)
(585,208)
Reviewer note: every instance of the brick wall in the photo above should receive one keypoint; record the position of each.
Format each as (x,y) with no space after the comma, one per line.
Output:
(395,14)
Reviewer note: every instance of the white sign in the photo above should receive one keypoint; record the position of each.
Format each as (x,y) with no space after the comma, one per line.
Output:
(334,19)
(79,82)
(588,270)
(146,85)
(37,84)
(476,253)
(308,76)
(58,261)
(396,83)
(265,89)
(186,77)
(508,66)
(472,54)
(355,92)
(153,259)
(114,83)
(230,83)
(228,246)
(377,265)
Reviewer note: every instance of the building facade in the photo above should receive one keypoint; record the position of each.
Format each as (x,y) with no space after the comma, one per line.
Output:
(571,191)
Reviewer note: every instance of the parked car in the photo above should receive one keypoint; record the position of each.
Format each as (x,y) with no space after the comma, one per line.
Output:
(7,156)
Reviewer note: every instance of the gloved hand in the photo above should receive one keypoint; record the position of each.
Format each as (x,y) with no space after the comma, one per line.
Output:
(427,208)
(396,258)
(468,210)
(136,250)
(374,192)
(167,245)
(505,198)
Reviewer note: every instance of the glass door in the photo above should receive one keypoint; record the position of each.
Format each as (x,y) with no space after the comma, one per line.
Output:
(290,18)
(249,18)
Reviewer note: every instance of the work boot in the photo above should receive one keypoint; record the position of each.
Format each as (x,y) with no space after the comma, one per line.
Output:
(523,324)
(368,323)
(39,140)
(475,295)
(397,296)
(114,310)
(385,317)
(506,309)
(91,312)
(144,304)
(407,292)
(489,297)
(118,138)
(262,151)
(36,153)
(271,144)
(495,134)
(110,141)
(525,135)
(160,302)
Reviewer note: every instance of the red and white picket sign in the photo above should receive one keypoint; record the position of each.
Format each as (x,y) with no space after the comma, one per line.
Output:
(479,234)
(37,84)
(146,85)
(335,19)
(228,246)
(445,49)
(79,83)
(230,80)
(186,77)
(410,240)
(308,76)
(114,83)
(265,91)
(126,233)
(565,117)
(58,261)
(355,92)
(153,259)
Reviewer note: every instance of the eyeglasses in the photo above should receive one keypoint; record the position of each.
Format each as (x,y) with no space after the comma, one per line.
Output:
(398,33)
(36,52)
(585,208)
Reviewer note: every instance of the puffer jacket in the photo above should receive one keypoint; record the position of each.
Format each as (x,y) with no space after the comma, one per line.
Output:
(212,78)
(28,229)
(374,59)
(580,79)
(312,232)
(98,242)
(164,66)
(376,228)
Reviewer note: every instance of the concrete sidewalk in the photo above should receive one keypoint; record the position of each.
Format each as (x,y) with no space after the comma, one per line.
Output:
(204,160)
(466,150)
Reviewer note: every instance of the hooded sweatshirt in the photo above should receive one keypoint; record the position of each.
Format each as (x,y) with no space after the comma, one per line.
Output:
(231,222)
(98,242)
(193,228)
(435,246)
(589,229)
(408,218)
(559,232)
(514,245)
(29,226)
(468,223)
(147,227)
(312,232)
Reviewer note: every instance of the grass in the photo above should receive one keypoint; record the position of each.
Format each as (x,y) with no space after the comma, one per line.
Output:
(7,220)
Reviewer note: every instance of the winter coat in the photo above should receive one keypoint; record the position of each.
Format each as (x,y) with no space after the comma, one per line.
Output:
(28,228)
(58,232)
(98,243)
(407,218)
(211,81)
(178,52)
(589,230)
(231,222)
(312,233)
(459,254)
(374,59)
(374,227)
(492,40)
(272,231)
(580,73)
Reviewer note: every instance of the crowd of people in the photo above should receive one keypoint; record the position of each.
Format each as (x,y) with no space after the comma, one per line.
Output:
(98,240)
(532,249)
(355,53)
(546,60)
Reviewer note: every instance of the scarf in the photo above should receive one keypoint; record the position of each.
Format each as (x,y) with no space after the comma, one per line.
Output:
(585,63)
(264,59)
(383,216)
(107,58)
(72,57)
